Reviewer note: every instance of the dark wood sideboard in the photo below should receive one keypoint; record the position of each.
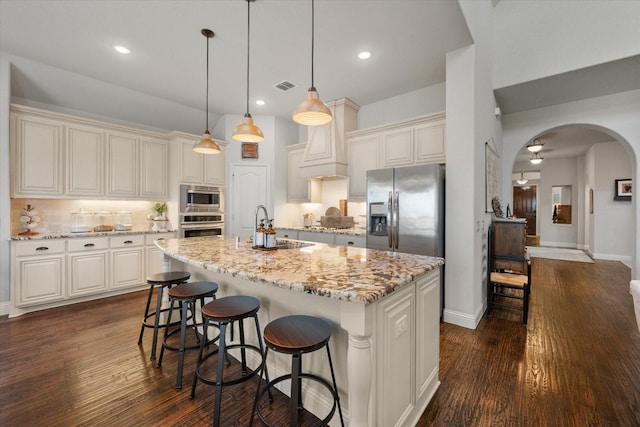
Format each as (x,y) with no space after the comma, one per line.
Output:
(509,244)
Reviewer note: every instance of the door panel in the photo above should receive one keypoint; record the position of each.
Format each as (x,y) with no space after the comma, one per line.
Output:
(525,206)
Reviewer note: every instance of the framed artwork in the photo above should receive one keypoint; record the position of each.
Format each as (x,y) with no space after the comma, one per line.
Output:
(491,174)
(623,189)
(249,150)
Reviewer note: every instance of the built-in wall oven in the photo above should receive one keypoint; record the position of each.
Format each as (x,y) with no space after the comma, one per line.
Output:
(201,211)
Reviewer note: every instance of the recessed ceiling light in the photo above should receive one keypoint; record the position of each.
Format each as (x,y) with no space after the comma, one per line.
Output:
(122,49)
(365,54)
(260,102)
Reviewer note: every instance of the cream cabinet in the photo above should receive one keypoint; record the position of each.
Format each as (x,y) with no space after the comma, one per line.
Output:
(153,254)
(350,240)
(88,262)
(198,168)
(127,261)
(299,189)
(84,161)
(38,272)
(407,143)
(122,164)
(37,150)
(154,167)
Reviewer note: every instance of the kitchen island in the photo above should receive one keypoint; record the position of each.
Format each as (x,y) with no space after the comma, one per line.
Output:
(383,308)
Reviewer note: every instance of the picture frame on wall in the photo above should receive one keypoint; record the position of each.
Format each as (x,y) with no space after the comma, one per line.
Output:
(490,174)
(249,150)
(623,189)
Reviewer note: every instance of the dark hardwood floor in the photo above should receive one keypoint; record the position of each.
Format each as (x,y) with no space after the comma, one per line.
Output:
(577,363)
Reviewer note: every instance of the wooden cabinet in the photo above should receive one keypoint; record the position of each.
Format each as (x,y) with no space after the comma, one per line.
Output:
(509,245)
(88,261)
(153,254)
(198,168)
(84,161)
(299,189)
(38,272)
(363,156)
(57,155)
(127,261)
(429,142)
(37,153)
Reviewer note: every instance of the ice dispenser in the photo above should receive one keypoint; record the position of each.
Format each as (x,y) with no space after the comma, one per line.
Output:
(378,219)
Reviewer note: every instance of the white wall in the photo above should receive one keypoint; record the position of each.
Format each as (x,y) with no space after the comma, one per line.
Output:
(612,219)
(536,39)
(616,115)
(5,220)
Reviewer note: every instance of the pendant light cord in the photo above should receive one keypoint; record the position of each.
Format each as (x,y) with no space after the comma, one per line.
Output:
(312,38)
(207,100)
(248,47)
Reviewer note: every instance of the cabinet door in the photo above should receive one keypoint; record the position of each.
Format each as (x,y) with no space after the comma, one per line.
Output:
(40,280)
(214,168)
(363,156)
(37,157)
(397,148)
(127,267)
(85,161)
(429,143)
(87,272)
(122,161)
(154,166)
(191,164)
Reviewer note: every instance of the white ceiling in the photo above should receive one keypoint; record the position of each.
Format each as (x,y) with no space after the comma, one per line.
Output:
(408,38)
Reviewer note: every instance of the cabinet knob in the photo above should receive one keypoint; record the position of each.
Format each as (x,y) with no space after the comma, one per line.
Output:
(286,235)
(349,243)
(42,248)
(89,245)
(128,242)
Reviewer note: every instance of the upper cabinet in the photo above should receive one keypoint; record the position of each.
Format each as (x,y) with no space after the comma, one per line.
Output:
(299,189)
(60,156)
(198,168)
(412,142)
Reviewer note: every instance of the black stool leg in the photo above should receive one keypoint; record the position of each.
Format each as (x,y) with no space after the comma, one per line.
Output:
(146,312)
(243,353)
(296,366)
(221,352)
(183,333)
(335,386)
(157,323)
(166,333)
(205,326)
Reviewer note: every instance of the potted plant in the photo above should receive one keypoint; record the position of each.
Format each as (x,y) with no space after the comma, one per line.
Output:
(160,209)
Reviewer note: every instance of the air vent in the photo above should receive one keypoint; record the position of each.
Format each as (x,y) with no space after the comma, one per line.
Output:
(284,85)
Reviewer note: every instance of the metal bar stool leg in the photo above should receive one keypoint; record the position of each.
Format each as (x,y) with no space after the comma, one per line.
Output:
(221,352)
(146,312)
(183,332)
(166,332)
(294,400)
(335,386)
(154,344)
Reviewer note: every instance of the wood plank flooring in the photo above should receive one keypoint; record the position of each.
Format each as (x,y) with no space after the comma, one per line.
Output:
(577,363)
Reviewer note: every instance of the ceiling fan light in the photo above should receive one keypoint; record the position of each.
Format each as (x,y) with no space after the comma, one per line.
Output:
(535,145)
(312,111)
(206,145)
(247,131)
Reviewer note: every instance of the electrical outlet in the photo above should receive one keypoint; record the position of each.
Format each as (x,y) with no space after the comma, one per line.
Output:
(401,326)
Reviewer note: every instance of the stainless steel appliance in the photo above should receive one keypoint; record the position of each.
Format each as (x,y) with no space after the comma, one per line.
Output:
(201,211)
(405,209)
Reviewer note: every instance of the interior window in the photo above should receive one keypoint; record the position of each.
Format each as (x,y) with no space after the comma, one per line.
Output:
(561,202)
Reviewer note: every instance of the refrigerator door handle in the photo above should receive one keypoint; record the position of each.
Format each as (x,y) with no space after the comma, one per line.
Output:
(390,220)
(396,222)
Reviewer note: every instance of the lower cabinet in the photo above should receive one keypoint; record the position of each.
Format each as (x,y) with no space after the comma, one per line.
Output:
(47,273)
(321,237)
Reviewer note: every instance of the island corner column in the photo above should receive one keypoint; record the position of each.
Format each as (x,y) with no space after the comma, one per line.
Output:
(357,319)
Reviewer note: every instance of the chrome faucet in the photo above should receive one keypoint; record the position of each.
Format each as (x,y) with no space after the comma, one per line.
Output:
(255,220)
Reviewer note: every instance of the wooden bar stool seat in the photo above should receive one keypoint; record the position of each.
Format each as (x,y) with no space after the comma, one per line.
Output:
(187,296)
(220,313)
(297,335)
(159,281)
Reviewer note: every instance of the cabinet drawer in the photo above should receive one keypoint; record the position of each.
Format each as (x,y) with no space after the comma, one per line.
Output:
(350,240)
(127,241)
(40,247)
(515,265)
(150,238)
(91,244)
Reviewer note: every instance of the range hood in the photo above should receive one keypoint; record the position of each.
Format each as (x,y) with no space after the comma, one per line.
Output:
(325,155)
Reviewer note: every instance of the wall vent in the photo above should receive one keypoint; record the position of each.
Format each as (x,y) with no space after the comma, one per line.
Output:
(284,85)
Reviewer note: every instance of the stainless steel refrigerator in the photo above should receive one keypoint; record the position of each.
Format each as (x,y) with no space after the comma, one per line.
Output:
(405,209)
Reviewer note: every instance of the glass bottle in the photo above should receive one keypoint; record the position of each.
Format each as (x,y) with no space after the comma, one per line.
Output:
(270,236)
(259,240)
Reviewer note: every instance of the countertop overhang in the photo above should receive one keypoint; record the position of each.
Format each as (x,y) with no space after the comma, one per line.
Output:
(340,272)
(88,234)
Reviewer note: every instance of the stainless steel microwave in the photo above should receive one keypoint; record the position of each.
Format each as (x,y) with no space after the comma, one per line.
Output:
(195,198)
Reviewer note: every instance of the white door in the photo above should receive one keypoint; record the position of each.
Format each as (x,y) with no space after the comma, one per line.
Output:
(249,188)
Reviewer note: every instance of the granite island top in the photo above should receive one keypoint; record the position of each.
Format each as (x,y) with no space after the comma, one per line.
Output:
(88,234)
(340,272)
(317,229)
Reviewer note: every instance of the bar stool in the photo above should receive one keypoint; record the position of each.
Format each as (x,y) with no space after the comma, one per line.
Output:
(220,313)
(297,335)
(187,296)
(160,281)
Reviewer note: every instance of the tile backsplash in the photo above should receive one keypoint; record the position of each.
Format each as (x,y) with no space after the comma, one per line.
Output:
(55,214)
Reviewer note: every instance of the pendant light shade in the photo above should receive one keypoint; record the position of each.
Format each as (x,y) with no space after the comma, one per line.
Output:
(247,131)
(536,159)
(535,145)
(312,111)
(207,145)
(522,181)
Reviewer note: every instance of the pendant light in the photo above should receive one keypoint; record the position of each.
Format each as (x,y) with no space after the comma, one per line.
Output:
(312,111)
(247,131)
(207,145)
(536,159)
(535,145)
(522,181)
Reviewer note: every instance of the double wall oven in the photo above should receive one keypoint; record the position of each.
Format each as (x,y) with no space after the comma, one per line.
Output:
(201,211)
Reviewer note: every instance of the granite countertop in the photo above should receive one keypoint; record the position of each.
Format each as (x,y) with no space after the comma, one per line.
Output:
(97,234)
(348,231)
(339,272)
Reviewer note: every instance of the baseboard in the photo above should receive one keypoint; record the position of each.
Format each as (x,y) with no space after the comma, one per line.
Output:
(609,257)
(460,318)
(565,245)
(5,308)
